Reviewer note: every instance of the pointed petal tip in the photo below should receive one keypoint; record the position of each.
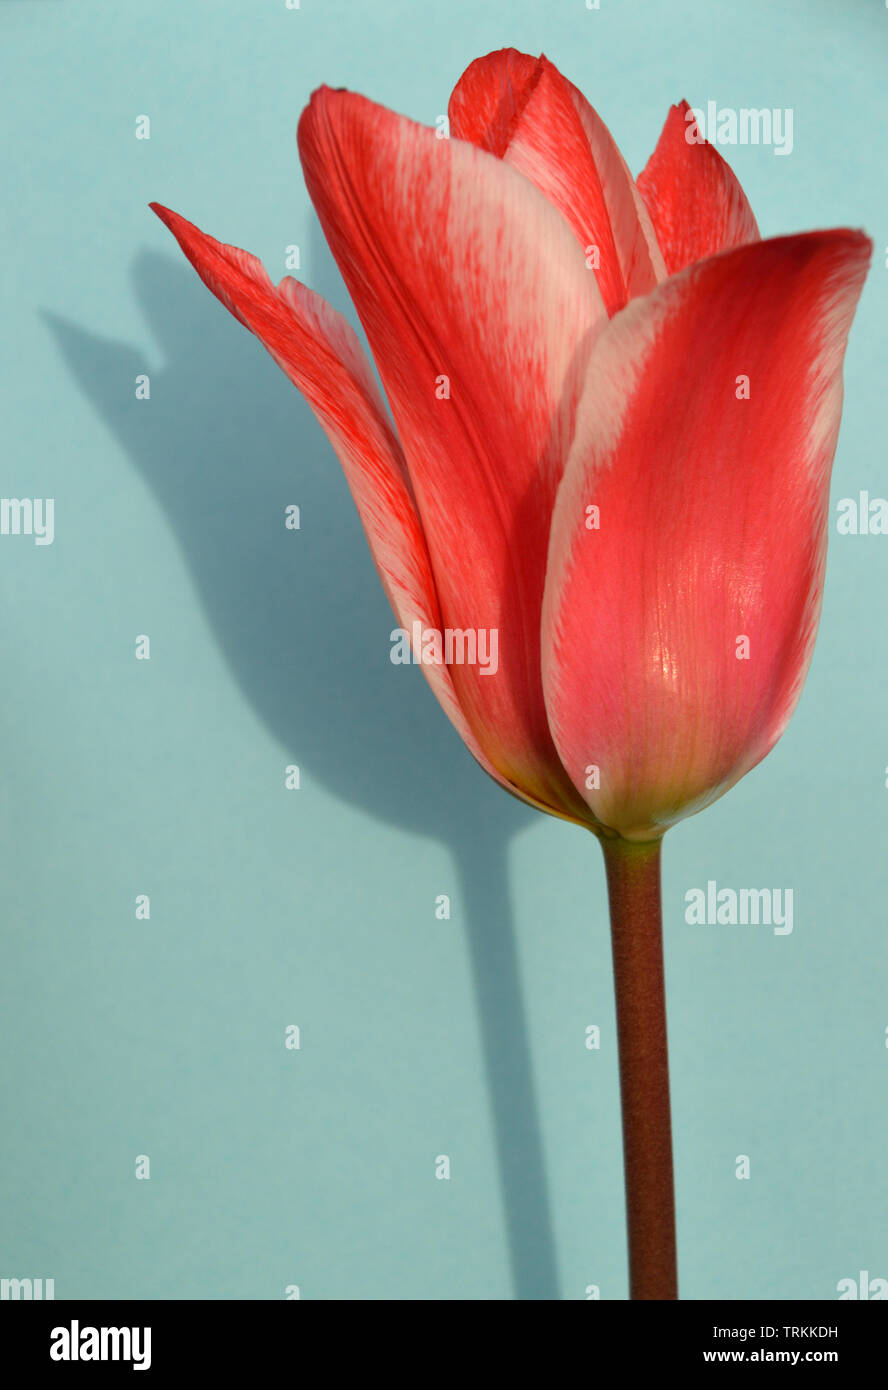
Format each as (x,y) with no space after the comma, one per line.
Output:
(849,244)
(178,225)
(196,245)
(860,237)
(324,91)
(325,109)
(317,100)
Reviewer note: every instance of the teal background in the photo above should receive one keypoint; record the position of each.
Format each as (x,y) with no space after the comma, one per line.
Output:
(272,1167)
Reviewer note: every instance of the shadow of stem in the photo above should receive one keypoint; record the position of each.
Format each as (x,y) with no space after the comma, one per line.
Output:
(508,1063)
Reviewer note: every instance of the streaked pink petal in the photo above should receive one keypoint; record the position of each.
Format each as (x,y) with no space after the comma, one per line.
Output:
(320,353)
(480,313)
(522,110)
(693,196)
(713,526)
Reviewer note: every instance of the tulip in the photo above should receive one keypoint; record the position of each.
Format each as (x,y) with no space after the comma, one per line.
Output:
(614,409)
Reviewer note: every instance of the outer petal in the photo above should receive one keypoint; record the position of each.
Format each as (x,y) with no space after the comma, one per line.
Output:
(694,198)
(713,526)
(480,314)
(522,110)
(320,353)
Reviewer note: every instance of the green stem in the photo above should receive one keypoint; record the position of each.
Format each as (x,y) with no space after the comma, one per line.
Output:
(633,885)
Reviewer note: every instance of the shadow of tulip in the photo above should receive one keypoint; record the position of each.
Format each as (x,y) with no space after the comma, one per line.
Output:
(226,443)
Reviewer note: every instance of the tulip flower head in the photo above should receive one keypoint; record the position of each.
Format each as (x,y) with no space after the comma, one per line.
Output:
(614,409)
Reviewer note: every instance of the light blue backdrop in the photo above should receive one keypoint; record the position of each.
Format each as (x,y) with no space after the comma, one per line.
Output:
(121,1037)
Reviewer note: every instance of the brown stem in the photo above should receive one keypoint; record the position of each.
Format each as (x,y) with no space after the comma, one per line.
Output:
(633,886)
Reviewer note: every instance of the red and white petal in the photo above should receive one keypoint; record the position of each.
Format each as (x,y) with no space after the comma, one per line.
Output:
(480,313)
(320,353)
(522,110)
(676,637)
(694,198)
